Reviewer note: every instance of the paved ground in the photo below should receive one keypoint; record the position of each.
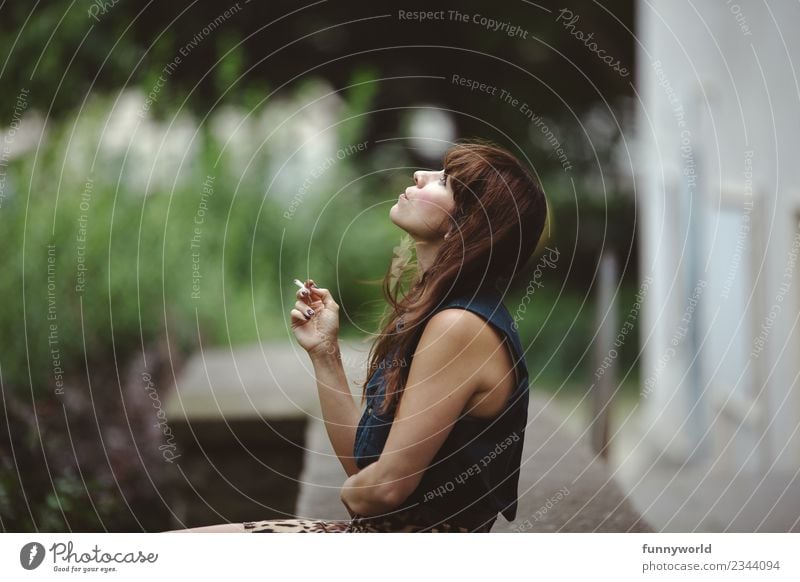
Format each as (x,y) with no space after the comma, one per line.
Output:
(703,496)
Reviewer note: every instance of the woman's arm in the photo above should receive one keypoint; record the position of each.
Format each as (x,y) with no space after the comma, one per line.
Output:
(339,410)
(315,323)
(445,373)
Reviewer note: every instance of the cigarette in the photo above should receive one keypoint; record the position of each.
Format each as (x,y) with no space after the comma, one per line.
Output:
(300,284)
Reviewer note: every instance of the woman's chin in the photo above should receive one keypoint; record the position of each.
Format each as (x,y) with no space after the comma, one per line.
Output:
(398,222)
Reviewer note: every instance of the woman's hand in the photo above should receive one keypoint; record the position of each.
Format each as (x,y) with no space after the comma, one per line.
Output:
(315,320)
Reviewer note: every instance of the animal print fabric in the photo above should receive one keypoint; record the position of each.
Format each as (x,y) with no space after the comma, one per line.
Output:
(400,522)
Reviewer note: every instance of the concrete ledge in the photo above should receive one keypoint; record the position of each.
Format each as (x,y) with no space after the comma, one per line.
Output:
(240,421)
(273,381)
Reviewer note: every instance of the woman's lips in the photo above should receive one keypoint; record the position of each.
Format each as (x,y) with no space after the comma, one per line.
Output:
(403,196)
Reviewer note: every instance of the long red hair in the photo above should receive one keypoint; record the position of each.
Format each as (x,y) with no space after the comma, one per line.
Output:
(499,216)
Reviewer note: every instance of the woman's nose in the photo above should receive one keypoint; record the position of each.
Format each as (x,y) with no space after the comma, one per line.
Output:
(417,178)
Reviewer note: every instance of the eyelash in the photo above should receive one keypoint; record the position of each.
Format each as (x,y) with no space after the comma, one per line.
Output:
(443,181)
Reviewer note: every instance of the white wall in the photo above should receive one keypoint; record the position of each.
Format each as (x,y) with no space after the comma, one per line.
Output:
(740,99)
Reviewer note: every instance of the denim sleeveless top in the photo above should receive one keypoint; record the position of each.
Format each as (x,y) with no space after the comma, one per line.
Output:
(475,473)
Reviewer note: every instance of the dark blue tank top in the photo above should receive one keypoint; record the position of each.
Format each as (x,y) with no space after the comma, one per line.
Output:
(475,473)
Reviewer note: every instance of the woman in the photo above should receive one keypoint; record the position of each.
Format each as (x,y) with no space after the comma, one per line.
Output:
(438,447)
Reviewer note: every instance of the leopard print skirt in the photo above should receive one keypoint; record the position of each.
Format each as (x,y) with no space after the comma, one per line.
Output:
(400,522)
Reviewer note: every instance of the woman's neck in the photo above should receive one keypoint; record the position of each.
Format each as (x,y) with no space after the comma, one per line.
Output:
(426,254)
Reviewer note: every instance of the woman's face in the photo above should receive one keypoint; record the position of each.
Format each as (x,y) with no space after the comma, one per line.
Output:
(424,209)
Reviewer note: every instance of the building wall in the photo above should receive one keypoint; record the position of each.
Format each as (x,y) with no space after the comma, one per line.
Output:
(718,195)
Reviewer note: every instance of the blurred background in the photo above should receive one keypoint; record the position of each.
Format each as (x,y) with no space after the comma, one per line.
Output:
(167,171)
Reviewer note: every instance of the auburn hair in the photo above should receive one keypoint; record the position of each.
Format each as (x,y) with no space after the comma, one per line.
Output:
(500,212)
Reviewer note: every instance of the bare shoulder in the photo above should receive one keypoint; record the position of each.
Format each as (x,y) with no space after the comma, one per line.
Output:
(460,324)
(451,351)
(460,334)
(479,352)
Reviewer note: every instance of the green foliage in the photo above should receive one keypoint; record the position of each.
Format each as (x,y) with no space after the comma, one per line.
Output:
(62,52)
(114,255)
(558,328)
(231,60)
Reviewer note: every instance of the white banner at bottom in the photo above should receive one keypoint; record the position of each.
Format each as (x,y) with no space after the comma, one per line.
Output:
(386,557)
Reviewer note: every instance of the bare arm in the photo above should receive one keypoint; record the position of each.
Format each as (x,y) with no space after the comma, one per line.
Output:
(339,410)
(445,373)
(315,323)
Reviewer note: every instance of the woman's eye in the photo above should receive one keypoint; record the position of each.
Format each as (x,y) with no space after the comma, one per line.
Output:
(443,181)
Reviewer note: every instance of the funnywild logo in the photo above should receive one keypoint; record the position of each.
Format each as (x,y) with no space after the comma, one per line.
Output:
(31,555)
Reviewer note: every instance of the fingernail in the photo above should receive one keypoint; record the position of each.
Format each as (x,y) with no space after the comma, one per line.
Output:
(307,316)
(309,312)
(311,283)
(304,292)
